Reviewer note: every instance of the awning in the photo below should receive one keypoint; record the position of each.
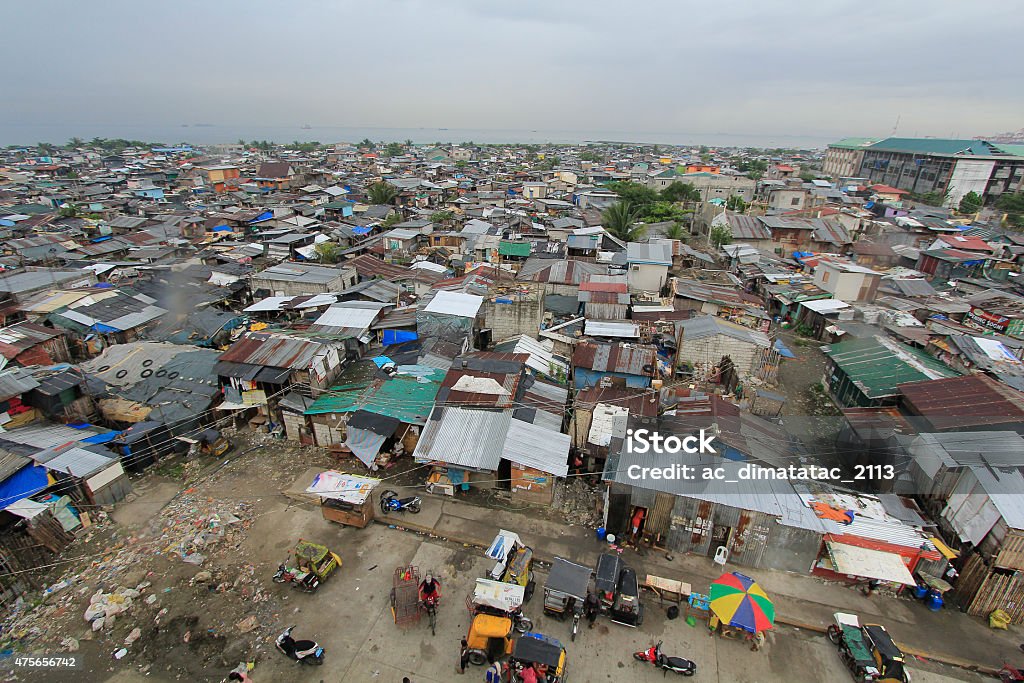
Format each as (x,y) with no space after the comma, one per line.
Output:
(868,563)
(944,549)
(364,444)
(273,375)
(350,488)
(783,350)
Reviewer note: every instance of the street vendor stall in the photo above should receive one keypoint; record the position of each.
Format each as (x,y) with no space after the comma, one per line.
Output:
(345,498)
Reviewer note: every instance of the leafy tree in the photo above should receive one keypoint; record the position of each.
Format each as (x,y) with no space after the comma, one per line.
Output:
(242,143)
(680,192)
(366,144)
(720,235)
(408,142)
(634,193)
(660,211)
(619,220)
(591,156)
(74,143)
(807,176)
(68,211)
(328,252)
(45,148)
(393,219)
(382,193)
(461,163)
(394,149)
(676,231)
(442,216)
(971,203)
(1013,206)
(736,203)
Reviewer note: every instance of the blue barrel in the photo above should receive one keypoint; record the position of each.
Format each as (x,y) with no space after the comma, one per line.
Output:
(601,533)
(934,600)
(920,591)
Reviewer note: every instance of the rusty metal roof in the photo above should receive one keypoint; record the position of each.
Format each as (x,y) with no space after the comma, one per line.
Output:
(272,350)
(959,402)
(630,359)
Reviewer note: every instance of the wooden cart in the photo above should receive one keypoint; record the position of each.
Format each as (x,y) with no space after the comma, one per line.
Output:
(668,589)
(345,498)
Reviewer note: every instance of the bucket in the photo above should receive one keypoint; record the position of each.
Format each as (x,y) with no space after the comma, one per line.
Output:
(601,532)
(610,538)
(934,601)
(920,591)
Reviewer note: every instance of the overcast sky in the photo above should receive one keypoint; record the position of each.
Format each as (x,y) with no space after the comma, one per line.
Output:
(822,68)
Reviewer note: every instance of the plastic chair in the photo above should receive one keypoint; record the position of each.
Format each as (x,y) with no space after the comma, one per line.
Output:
(721,555)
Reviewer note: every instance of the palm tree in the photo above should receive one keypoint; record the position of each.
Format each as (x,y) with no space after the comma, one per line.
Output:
(676,231)
(382,193)
(74,143)
(619,220)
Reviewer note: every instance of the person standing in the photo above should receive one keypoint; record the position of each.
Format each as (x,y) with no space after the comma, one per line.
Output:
(463,656)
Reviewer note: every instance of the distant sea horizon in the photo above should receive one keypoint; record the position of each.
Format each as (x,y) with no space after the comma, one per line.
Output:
(212,134)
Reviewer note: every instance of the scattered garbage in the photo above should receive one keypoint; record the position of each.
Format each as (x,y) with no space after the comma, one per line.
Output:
(120,653)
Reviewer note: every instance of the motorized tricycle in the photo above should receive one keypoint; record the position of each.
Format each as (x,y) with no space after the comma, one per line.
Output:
(501,600)
(313,563)
(626,609)
(566,591)
(544,653)
(513,562)
(867,651)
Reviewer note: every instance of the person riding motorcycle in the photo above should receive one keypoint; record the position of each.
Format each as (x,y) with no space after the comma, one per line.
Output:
(430,589)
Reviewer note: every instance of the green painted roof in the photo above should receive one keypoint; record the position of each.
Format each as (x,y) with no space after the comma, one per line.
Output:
(934,146)
(509,248)
(1015,150)
(408,396)
(854,143)
(876,367)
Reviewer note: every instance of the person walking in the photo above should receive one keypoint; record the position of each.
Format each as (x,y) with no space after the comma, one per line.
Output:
(463,656)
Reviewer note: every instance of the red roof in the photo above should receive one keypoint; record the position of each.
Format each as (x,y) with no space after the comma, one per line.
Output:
(968,242)
(887,189)
(784,167)
(590,286)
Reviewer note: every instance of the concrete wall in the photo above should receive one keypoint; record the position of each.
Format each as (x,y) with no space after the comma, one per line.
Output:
(645,277)
(704,354)
(518,317)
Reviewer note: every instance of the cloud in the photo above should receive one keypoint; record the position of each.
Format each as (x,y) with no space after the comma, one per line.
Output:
(682,68)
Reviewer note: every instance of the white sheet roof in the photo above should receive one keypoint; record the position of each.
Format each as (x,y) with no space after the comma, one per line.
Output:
(455,303)
(535,446)
(868,563)
(825,305)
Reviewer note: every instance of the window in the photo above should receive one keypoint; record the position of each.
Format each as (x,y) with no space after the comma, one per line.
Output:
(795,201)
(824,276)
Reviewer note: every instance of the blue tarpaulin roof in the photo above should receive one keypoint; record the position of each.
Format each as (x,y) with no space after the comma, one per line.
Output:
(362,230)
(222,228)
(783,350)
(265,216)
(96,240)
(398,337)
(22,484)
(102,438)
(381,361)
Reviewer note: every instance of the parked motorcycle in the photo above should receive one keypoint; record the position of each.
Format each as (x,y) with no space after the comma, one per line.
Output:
(654,655)
(390,502)
(304,581)
(302,651)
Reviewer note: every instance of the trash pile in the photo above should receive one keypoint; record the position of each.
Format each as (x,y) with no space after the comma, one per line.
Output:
(104,608)
(579,502)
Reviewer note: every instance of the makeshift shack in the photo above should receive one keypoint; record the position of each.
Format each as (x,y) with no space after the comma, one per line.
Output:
(345,498)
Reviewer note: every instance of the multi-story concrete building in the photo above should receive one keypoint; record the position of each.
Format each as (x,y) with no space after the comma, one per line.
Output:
(843,158)
(945,167)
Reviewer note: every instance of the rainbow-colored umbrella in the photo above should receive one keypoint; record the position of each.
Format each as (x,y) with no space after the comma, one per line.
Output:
(740,602)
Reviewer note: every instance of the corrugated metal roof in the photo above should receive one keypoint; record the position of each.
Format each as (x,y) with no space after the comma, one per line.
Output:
(78,462)
(455,303)
(16,382)
(961,402)
(274,350)
(656,252)
(355,319)
(611,328)
(536,446)
(407,396)
(629,359)
(707,326)
(877,365)
(462,437)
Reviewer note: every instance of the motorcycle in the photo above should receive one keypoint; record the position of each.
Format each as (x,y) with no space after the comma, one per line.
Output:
(302,651)
(308,582)
(683,667)
(390,502)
